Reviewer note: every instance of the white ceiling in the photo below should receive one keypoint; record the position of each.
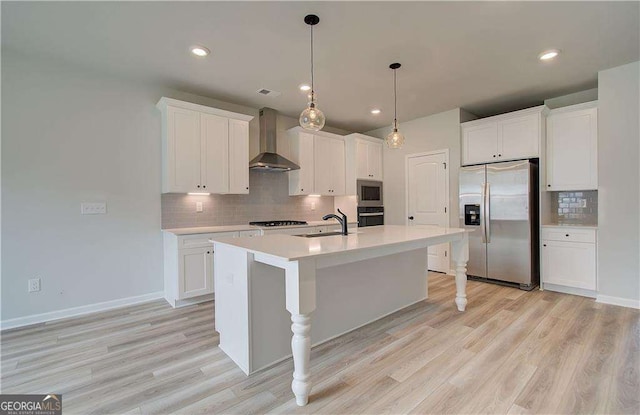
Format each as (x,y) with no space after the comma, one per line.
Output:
(481,56)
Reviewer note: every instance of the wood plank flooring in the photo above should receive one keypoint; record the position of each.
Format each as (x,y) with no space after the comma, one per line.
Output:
(510,352)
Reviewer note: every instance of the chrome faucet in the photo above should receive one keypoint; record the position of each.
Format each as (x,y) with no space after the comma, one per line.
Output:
(342,220)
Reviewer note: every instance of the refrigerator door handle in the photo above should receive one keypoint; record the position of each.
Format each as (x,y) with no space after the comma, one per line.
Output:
(487,209)
(483,229)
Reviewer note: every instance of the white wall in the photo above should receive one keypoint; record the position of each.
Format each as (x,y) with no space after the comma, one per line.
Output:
(435,132)
(618,177)
(71,135)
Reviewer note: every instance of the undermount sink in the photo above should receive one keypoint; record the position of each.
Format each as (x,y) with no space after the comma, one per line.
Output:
(317,235)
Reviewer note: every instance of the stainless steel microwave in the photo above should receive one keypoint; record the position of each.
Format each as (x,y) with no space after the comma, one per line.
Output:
(369,193)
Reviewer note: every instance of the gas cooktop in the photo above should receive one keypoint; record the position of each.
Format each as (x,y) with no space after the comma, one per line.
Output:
(270,223)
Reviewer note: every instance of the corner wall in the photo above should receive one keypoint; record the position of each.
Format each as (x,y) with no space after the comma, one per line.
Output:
(618,178)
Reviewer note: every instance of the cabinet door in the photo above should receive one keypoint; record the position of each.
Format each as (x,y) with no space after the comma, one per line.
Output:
(518,138)
(302,151)
(339,168)
(238,157)
(572,145)
(374,160)
(215,153)
(323,165)
(195,272)
(571,264)
(480,143)
(183,151)
(362,160)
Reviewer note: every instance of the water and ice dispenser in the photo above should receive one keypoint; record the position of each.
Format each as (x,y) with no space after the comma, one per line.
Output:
(472,215)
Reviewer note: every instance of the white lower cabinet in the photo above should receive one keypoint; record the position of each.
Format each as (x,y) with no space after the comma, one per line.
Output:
(188,267)
(195,272)
(569,257)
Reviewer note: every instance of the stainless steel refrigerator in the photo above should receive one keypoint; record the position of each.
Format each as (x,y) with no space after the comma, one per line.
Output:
(500,202)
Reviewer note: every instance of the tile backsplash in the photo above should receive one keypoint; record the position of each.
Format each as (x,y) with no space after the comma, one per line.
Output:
(576,207)
(268,200)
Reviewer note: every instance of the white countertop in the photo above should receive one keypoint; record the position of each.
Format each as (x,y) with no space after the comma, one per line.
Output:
(573,225)
(288,247)
(236,228)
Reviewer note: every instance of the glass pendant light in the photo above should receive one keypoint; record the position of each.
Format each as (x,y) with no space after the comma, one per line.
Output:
(312,118)
(395,139)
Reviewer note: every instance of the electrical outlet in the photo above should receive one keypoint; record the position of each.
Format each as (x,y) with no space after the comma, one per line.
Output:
(34,285)
(93,208)
(199,207)
(583,203)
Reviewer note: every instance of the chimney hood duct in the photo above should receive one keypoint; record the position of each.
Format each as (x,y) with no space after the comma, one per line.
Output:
(268,159)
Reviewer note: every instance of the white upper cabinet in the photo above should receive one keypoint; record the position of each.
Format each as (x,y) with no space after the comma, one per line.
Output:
(363,160)
(329,170)
(214,131)
(238,156)
(203,149)
(368,157)
(572,148)
(512,136)
(301,152)
(183,146)
(321,157)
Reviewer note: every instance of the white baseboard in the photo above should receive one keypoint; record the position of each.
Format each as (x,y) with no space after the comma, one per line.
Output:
(569,290)
(624,302)
(78,311)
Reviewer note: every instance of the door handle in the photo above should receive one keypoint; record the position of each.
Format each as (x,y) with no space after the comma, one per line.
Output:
(483,213)
(487,216)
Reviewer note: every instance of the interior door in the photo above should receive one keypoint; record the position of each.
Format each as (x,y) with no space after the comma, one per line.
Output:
(428,200)
(472,184)
(509,227)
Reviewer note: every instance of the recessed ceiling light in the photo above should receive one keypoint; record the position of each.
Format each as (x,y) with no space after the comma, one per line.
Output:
(200,51)
(375,111)
(305,88)
(548,54)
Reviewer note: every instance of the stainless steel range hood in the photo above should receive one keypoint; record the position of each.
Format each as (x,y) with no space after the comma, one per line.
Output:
(268,159)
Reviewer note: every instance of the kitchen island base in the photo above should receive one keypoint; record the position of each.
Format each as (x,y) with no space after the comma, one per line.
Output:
(354,279)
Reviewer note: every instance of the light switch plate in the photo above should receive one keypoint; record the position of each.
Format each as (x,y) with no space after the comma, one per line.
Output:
(199,207)
(93,208)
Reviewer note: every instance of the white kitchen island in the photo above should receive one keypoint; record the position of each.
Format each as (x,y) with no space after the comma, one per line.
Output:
(348,280)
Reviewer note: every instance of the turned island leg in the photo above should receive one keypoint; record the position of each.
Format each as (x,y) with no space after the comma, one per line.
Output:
(300,284)
(460,258)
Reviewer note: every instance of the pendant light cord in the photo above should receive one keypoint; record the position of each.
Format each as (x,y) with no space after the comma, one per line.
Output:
(395,100)
(312,90)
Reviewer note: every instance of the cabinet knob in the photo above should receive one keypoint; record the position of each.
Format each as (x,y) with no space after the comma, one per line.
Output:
(544,244)
(548,185)
(203,186)
(494,155)
(499,155)
(207,252)
(410,217)
(302,190)
(247,187)
(567,235)
(198,186)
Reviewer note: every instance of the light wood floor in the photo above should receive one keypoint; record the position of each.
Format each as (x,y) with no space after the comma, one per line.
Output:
(510,352)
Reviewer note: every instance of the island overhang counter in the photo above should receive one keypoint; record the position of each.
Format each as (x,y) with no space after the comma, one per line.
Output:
(361,277)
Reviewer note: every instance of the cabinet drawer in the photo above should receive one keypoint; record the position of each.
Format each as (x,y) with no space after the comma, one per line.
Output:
(249,234)
(569,235)
(201,239)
